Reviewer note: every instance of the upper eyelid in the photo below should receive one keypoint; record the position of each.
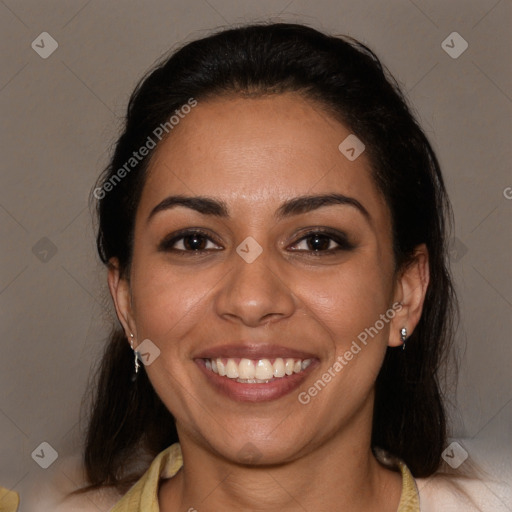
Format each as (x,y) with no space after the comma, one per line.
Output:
(319,229)
(175,237)
(337,236)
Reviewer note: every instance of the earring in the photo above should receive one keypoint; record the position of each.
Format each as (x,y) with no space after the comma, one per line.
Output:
(403,336)
(136,360)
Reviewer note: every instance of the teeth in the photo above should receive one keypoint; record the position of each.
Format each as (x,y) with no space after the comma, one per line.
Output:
(305,363)
(252,381)
(279,368)
(231,369)
(264,370)
(250,371)
(221,368)
(246,369)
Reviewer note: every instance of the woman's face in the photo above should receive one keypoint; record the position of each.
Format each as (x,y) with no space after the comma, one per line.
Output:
(282,252)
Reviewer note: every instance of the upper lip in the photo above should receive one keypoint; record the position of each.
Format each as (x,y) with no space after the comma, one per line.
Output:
(253,351)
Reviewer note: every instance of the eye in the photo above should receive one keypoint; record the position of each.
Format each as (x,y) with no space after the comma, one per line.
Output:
(322,241)
(193,241)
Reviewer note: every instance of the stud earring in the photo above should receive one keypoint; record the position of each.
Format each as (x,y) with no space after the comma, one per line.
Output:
(403,336)
(136,359)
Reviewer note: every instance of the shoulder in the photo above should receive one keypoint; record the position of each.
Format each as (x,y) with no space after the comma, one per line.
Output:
(50,491)
(459,494)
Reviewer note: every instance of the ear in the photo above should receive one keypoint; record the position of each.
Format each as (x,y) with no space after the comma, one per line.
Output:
(410,290)
(121,295)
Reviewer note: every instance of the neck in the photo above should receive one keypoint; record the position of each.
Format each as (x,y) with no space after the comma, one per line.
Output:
(341,474)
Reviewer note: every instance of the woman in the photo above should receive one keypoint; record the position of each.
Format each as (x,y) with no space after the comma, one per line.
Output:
(273,222)
(281,219)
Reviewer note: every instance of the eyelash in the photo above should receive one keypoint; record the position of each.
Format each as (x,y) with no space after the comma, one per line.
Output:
(339,238)
(167,244)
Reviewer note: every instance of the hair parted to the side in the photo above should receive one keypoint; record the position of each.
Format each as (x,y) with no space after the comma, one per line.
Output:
(348,81)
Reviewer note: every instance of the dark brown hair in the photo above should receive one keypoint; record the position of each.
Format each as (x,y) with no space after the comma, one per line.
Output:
(347,79)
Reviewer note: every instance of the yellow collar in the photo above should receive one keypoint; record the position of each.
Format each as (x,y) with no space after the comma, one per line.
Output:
(143,496)
(9,500)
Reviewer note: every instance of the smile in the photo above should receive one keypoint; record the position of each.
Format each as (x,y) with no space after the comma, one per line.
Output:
(254,371)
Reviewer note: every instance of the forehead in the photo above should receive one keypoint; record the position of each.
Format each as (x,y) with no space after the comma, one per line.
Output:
(255,152)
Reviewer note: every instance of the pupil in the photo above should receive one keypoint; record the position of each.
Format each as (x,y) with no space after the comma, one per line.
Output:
(194,242)
(319,242)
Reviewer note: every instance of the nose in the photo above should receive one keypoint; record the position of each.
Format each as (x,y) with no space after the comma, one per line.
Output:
(254,293)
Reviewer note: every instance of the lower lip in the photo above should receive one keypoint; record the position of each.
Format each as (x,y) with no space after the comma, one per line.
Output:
(260,392)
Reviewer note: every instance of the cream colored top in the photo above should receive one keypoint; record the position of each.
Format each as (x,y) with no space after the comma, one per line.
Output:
(143,496)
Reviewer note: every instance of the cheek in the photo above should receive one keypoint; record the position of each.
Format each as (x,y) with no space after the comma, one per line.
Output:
(349,308)
(347,300)
(342,300)
(167,302)
(348,305)
(168,306)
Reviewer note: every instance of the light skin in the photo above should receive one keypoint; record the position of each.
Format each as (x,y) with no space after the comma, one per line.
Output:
(261,153)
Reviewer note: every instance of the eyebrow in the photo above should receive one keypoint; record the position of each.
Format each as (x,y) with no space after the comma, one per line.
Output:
(296,206)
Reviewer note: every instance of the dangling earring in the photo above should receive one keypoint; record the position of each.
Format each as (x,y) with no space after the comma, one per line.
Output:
(136,361)
(403,336)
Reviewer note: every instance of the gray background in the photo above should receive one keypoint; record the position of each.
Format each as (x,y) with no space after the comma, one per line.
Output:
(60,116)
